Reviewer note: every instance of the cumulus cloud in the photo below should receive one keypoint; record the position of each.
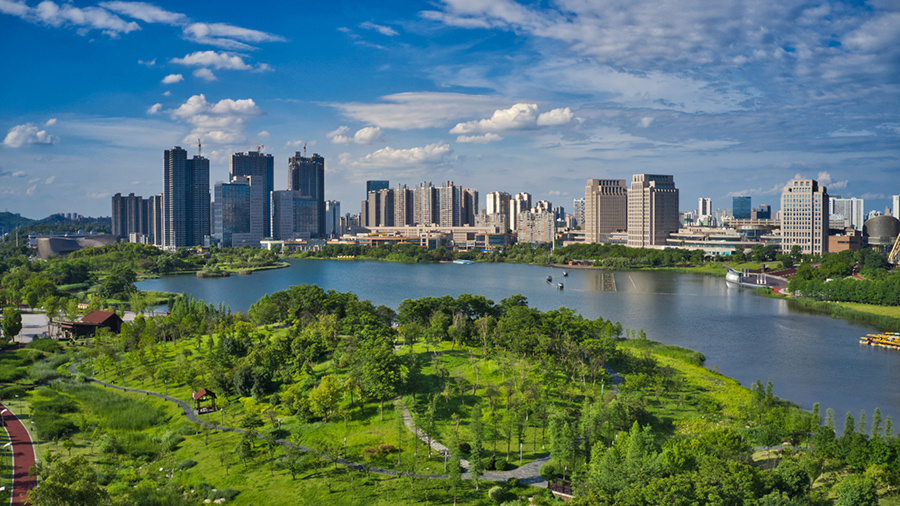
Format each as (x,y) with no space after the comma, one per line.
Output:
(390,157)
(29,133)
(410,110)
(146,63)
(383,30)
(479,139)
(365,135)
(153,109)
(221,122)
(50,122)
(518,117)
(824,178)
(213,59)
(172,79)
(205,74)
(645,122)
(264,133)
(9,173)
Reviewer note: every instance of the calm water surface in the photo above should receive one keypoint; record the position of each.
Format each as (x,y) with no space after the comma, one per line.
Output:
(810,358)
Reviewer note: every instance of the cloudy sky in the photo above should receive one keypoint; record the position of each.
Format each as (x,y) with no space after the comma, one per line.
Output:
(730,96)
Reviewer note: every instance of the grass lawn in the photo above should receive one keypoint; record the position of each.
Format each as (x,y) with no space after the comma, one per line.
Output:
(891,311)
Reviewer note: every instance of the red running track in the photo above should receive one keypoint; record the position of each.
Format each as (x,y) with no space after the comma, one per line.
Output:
(23,452)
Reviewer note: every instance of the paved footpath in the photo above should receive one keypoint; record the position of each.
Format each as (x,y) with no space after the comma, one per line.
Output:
(22,448)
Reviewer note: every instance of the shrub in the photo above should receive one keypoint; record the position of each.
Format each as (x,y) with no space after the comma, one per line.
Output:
(11,392)
(502,465)
(48,345)
(498,495)
(488,463)
(548,471)
(228,494)
(51,425)
(187,464)
(379,452)
(58,404)
(465,448)
(512,482)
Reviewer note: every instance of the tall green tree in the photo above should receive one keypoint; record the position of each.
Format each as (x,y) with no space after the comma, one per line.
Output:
(477,452)
(12,323)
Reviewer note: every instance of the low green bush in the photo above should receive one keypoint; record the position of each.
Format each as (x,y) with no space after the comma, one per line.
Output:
(48,345)
(187,464)
(58,404)
(10,392)
(52,426)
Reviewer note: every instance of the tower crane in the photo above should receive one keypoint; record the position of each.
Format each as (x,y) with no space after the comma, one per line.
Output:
(258,147)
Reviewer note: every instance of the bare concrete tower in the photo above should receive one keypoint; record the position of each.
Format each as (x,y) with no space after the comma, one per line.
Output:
(605,208)
(652,210)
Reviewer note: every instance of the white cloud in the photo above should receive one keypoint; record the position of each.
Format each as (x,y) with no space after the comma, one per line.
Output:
(479,139)
(153,109)
(84,19)
(366,135)
(383,30)
(205,74)
(50,180)
(172,79)
(390,157)
(518,117)
(221,122)
(410,110)
(145,12)
(645,122)
(213,59)
(555,117)
(227,36)
(28,133)
(50,122)
(167,93)
(264,133)
(824,178)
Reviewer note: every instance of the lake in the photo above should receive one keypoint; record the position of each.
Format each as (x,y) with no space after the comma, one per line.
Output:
(810,358)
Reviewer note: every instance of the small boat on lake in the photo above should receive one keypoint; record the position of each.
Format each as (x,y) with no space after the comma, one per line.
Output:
(565,274)
(884,340)
(549,279)
(560,286)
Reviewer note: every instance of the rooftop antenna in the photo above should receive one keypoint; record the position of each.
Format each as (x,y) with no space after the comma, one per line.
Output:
(304,149)
(199,148)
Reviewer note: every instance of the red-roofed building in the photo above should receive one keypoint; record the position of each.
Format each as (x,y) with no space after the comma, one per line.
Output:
(90,323)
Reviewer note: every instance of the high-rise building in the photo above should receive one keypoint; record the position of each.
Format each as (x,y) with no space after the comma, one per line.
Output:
(605,208)
(895,201)
(850,211)
(261,168)
(763,212)
(333,218)
(157,222)
(375,185)
(294,215)
(579,212)
(130,215)
(307,175)
(186,199)
(804,217)
(232,215)
(740,208)
(652,210)
(519,203)
(536,227)
(704,208)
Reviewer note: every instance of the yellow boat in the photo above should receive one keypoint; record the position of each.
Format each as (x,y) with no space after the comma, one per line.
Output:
(885,340)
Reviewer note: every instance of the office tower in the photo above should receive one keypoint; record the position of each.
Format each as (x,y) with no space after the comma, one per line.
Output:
(850,210)
(261,168)
(895,201)
(652,210)
(704,209)
(605,208)
(578,211)
(804,217)
(740,207)
(333,218)
(375,185)
(542,206)
(497,203)
(469,207)
(231,224)
(764,212)
(426,209)
(307,175)
(294,215)
(130,215)
(519,203)
(186,199)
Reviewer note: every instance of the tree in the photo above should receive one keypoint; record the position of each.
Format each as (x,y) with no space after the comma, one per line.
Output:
(381,370)
(12,323)
(477,452)
(856,490)
(67,482)
(324,398)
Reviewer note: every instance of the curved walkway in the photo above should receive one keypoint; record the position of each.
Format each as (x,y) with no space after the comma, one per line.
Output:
(22,450)
(527,474)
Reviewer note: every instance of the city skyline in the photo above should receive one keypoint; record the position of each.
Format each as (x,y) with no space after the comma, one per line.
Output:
(547,96)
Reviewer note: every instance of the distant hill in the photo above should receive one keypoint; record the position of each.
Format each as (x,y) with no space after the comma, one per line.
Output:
(9,221)
(52,223)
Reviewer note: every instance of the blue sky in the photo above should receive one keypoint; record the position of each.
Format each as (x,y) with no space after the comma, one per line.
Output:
(730,96)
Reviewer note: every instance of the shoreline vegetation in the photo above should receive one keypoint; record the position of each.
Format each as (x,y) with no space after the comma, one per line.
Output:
(482,378)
